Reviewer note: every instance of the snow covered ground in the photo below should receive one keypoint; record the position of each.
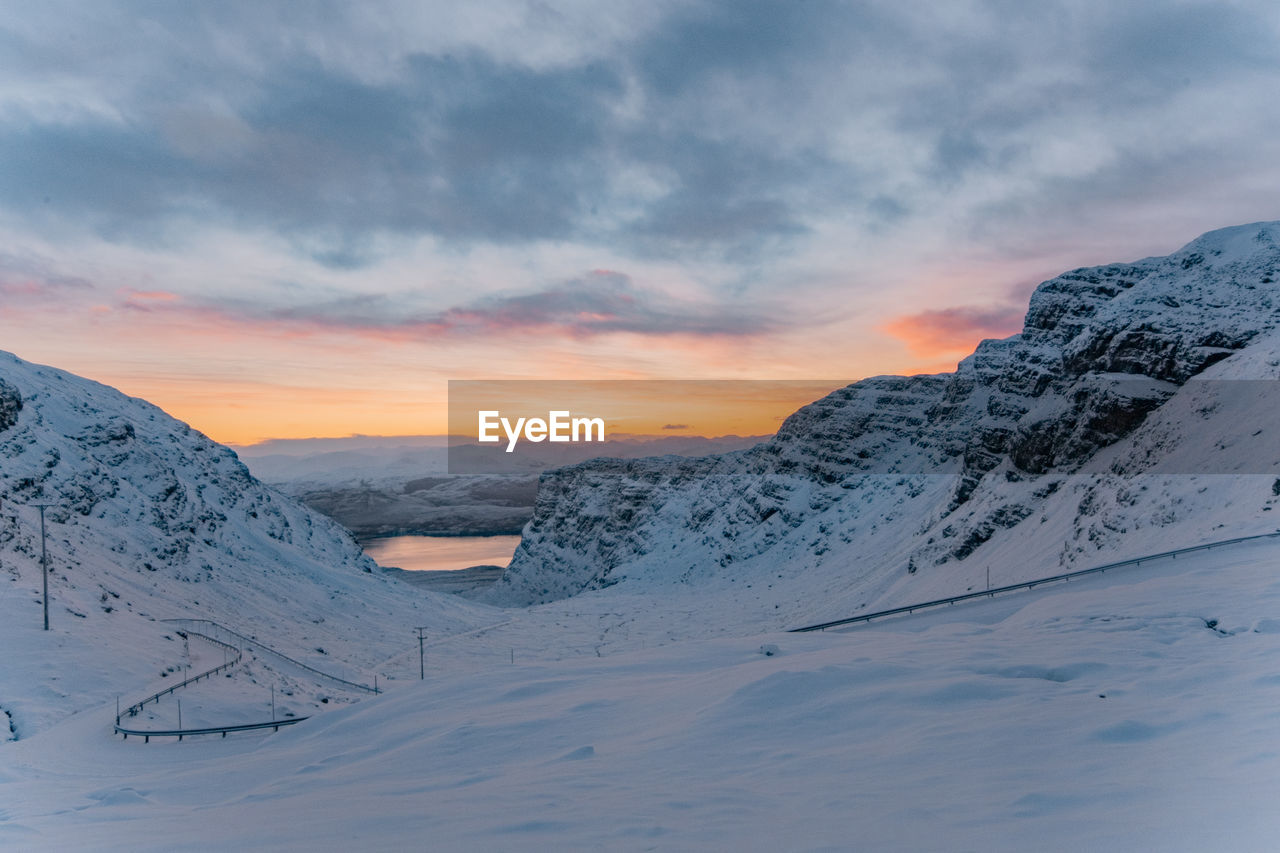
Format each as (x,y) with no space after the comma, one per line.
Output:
(1140,710)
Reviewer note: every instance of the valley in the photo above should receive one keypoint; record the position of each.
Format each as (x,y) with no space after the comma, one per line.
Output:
(631,679)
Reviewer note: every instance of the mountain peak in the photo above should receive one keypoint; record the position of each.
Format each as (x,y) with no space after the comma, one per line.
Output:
(1235,243)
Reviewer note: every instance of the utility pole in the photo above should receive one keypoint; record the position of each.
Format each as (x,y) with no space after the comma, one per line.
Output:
(273,703)
(44,563)
(422,658)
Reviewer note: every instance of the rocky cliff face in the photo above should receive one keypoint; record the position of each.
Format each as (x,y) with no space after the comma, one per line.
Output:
(898,474)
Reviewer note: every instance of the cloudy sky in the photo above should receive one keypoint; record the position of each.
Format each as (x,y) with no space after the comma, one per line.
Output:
(301,219)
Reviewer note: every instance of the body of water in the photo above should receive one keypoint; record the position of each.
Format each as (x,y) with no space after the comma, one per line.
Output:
(441,553)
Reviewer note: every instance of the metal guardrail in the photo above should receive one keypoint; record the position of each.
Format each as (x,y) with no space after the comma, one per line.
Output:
(271,651)
(148,734)
(991,593)
(184,628)
(133,709)
(211,730)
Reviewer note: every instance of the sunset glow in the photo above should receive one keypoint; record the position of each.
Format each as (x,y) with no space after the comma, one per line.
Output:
(315,241)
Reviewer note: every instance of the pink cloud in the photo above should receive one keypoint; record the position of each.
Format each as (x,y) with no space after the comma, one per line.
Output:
(946,331)
(32,280)
(150,295)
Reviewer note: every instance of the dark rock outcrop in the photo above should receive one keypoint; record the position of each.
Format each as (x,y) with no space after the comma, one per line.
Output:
(10,405)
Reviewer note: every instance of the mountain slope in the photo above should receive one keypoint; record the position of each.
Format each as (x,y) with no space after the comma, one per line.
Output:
(149,519)
(896,486)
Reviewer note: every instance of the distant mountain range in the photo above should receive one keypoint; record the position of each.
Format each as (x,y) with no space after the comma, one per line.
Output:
(384,485)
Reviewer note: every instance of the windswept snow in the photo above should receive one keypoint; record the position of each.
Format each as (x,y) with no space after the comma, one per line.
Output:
(1137,711)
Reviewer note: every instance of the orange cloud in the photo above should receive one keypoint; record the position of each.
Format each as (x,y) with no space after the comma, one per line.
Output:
(242,373)
(941,332)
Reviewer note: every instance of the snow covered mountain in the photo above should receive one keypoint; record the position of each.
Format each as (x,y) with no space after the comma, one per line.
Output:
(1040,450)
(149,519)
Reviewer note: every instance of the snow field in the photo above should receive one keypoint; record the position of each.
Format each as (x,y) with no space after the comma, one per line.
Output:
(1138,712)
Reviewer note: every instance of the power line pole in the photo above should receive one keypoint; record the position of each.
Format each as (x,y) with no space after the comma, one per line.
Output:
(44,563)
(422,659)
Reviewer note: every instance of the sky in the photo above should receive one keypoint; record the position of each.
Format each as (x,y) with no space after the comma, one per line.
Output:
(292,220)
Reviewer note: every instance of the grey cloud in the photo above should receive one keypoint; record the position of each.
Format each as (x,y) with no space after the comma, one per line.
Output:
(26,278)
(111,178)
(886,210)
(604,303)
(463,147)
(1021,69)
(1168,45)
(599,303)
(744,37)
(256,118)
(725,196)
(957,152)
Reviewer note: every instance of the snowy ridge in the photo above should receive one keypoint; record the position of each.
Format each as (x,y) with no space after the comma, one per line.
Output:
(150,520)
(891,488)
